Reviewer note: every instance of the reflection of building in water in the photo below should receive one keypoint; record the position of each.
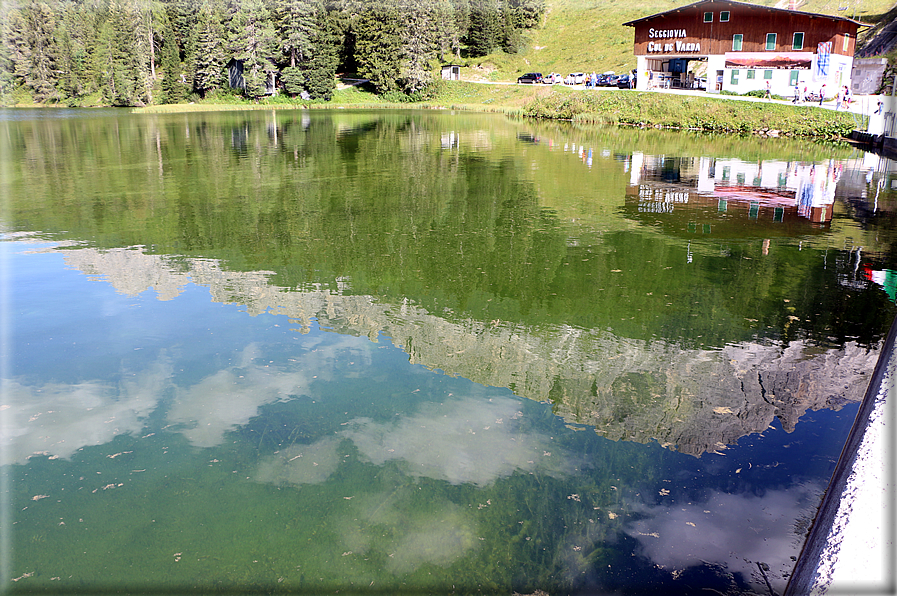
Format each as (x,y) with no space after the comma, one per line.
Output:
(691,400)
(714,191)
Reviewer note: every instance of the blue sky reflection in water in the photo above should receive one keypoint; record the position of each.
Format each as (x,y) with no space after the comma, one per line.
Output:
(494,356)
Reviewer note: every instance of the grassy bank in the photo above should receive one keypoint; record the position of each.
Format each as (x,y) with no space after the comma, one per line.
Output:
(712,114)
(608,106)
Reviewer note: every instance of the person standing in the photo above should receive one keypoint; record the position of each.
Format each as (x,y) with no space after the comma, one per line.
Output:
(821,94)
(768,91)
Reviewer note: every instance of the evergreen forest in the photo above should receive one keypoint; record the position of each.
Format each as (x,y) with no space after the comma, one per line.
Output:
(142,52)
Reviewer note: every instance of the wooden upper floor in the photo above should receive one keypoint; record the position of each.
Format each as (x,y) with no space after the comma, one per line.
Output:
(721,26)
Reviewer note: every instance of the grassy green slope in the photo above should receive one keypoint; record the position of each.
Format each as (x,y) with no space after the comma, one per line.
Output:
(588,35)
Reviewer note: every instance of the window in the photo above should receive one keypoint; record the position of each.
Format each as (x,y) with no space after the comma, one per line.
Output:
(750,74)
(708,17)
(846,42)
(736,42)
(794,78)
(734,79)
(798,42)
(770,41)
(767,74)
(724,16)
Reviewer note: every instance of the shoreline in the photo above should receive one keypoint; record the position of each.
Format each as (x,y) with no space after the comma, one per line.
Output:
(662,109)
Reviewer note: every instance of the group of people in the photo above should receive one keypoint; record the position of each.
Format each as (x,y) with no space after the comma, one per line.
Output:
(845,96)
(802,94)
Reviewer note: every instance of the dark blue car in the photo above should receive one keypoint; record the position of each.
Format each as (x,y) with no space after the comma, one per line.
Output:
(531,78)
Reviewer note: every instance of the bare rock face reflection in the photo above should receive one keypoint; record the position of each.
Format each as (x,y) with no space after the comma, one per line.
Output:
(691,400)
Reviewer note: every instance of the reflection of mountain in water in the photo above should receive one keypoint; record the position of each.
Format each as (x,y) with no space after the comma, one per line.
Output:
(634,390)
(712,195)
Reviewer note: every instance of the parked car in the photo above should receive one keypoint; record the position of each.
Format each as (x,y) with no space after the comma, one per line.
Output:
(626,81)
(602,78)
(577,78)
(530,78)
(610,81)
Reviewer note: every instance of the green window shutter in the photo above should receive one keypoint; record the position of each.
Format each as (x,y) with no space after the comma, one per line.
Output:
(734,79)
(798,43)
(770,41)
(750,74)
(767,74)
(794,77)
(736,42)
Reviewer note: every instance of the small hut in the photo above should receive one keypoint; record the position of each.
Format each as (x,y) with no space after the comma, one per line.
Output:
(451,72)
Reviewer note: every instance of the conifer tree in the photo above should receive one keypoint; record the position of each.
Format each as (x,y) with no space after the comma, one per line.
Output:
(448,35)
(76,39)
(127,38)
(7,67)
(510,34)
(253,42)
(526,14)
(297,26)
(421,43)
(173,83)
(209,58)
(485,32)
(379,39)
(32,48)
(320,76)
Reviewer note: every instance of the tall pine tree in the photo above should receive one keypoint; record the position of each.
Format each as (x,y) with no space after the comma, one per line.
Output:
(30,39)
(173,81)
(208,50)
(320,75)
(421,43)
(485,32)
(252,41)
(379,38)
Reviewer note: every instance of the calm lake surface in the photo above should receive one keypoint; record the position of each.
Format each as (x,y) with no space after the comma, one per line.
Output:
(321,351)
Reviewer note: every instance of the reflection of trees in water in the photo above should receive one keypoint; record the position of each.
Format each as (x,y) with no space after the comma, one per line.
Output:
(375,200)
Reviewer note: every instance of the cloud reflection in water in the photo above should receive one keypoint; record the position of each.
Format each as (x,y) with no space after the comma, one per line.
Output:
(734,530)
(465,440)
(57,419)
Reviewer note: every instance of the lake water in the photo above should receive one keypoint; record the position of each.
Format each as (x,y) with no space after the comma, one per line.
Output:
(348,351)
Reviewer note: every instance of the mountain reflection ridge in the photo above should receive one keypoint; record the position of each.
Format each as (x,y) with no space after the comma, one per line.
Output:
(690,400)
